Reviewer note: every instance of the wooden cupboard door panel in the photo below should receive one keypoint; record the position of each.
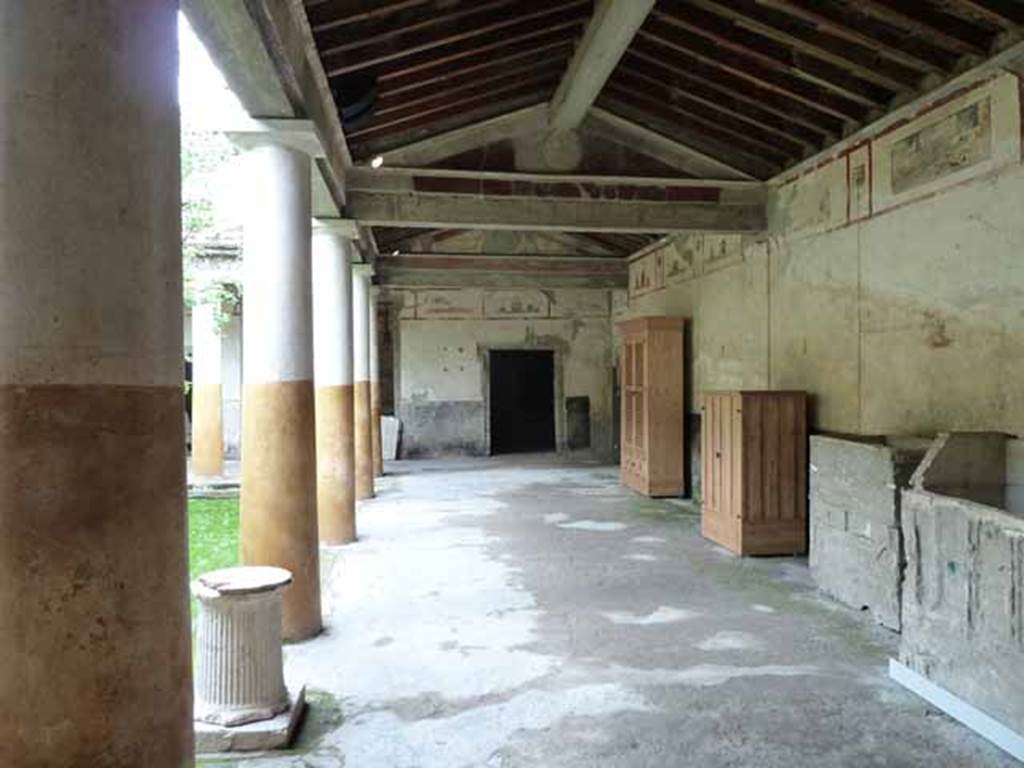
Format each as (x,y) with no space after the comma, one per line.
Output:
(719,429)
(755,470)
(652,405)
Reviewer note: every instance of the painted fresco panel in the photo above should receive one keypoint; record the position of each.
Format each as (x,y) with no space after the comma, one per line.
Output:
(860,183)
(954,143)
(509,304)
(647,274)
(971,135)
(581,303)
(453,304)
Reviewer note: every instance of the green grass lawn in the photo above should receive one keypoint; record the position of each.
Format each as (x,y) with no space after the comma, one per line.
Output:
(212,536)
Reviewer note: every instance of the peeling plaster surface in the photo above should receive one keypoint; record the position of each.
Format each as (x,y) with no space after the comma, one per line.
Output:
(890,288)
(464,630)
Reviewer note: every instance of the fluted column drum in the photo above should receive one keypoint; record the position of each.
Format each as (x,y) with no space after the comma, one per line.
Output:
(239,667)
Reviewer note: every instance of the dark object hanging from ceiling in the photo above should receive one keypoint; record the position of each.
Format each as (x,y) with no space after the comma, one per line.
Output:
(356,97)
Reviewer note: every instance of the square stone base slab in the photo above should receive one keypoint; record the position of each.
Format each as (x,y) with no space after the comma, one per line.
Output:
(276,733)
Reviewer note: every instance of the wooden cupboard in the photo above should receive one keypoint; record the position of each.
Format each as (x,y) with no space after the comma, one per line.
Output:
(653,432)
(754,471)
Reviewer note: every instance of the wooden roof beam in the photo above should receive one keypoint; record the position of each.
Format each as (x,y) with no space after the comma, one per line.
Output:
(770,54)
(610,31)
(538,82)
(747,68)
(926,22)
(869,32)
(669,149)
(1005,14)
(327,14)
(861,60)
(698,71)
(506,126)
(481,81)
(740,108)
(627,87)
(478,27)
(469,66)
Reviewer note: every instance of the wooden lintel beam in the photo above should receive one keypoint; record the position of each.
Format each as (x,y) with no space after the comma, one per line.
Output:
(433,211)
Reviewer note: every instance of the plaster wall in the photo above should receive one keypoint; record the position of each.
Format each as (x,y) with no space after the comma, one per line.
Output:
(890,285)
(442,350)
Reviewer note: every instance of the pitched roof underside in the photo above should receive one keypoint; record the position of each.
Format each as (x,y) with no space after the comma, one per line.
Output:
(756,84)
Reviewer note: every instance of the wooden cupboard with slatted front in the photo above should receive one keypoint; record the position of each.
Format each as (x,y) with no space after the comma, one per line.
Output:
(754,471)
(652,434)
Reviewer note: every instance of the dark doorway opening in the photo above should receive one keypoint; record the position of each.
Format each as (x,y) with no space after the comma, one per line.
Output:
(522,401)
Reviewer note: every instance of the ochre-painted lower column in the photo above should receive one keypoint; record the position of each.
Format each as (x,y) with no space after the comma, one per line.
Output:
(375,406)
(95,649)
(332,364)
(207,394)
(362,405)
(278,509)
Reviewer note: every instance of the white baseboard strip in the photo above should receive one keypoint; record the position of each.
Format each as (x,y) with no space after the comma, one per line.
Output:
(982,724)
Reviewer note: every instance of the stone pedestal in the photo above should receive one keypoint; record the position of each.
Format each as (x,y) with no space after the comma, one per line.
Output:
(239,667)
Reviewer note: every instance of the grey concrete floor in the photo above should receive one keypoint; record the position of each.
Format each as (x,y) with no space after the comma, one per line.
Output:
(530,612)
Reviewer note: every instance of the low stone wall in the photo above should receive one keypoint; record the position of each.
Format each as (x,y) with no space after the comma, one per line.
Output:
(963,604)
(856,552)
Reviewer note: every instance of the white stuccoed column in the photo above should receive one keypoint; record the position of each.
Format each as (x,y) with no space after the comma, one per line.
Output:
(278,504)
(375,404)
(207,392)
(363,404)
(239,664)
(332,363)
(95,646)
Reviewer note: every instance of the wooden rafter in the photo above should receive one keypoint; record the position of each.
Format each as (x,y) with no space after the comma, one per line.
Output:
(1005,14)
(770,54)
(480,82)
(463,36)
(626,87)
(542,82)
(841,21)
(860,60)
(468,67)
(704,77)
(747,111)
(746,68)
(927,22)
